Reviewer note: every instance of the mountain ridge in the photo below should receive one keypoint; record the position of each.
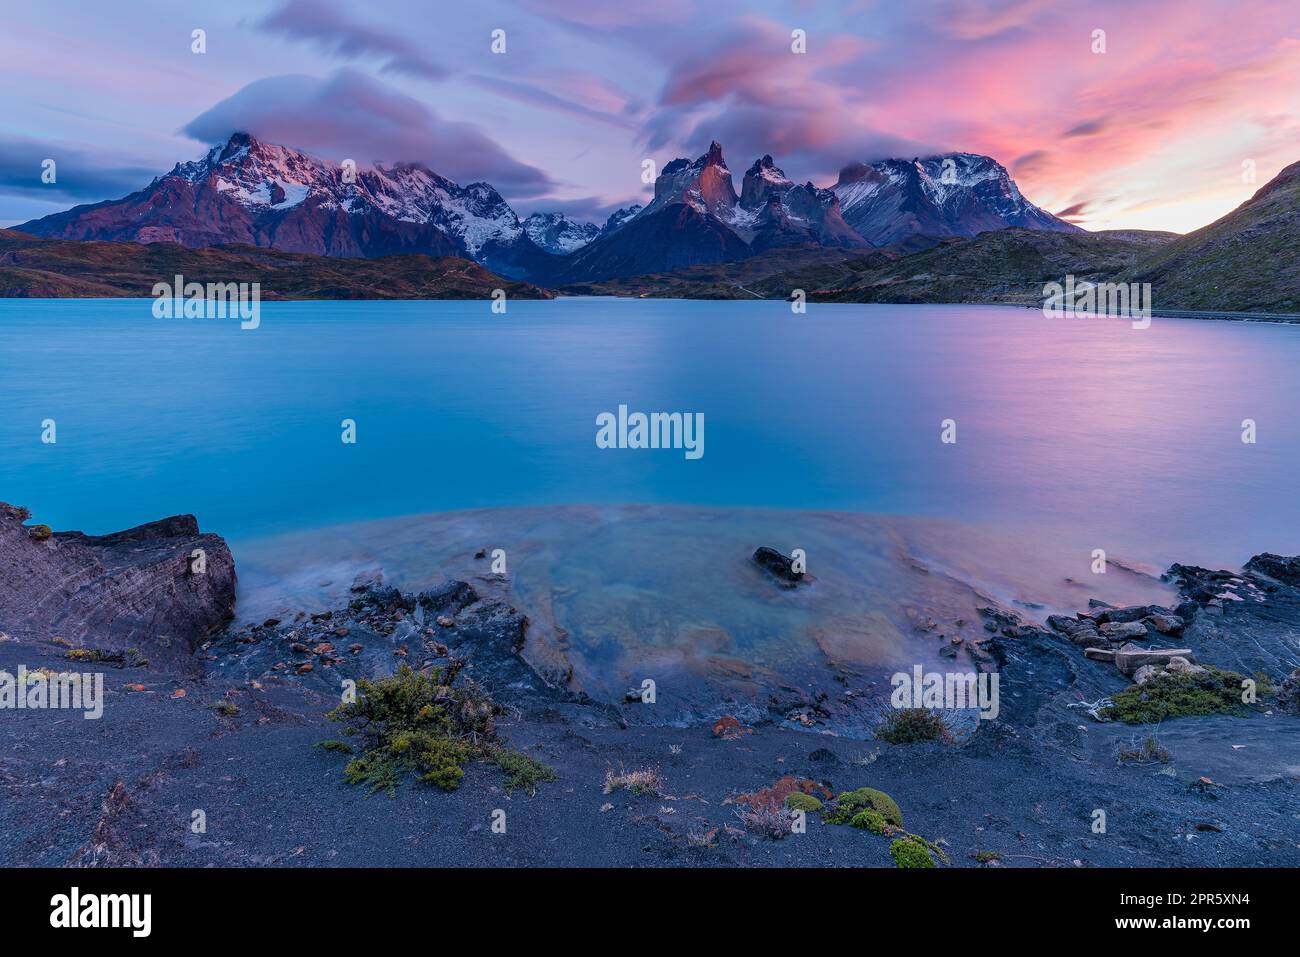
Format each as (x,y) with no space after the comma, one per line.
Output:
(250,192)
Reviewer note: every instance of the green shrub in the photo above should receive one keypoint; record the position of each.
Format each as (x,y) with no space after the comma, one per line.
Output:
(912,725)
(848,804)
(798,801)
(1213,691)
(423,724)
(870,819)
(910,851)
(41,532)
(985,857)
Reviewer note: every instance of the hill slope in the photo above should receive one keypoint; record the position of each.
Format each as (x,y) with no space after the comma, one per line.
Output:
(1247,261)
(44,268)
(1009,266)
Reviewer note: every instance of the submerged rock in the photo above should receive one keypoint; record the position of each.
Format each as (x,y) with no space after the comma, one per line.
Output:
(160,588)
(778,566)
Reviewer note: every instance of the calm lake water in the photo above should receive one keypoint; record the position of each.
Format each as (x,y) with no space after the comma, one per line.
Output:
(1123,439)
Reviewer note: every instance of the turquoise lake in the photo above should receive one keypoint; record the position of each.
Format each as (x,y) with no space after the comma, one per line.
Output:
(1117,438)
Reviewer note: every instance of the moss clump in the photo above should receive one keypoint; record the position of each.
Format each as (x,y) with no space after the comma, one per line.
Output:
(986,857)
(798,801)
(423,723)
(870,819)
(41,532)
(911,851)
(522,772)
(226,708)
(912,725)
(848,804)
(1213,691)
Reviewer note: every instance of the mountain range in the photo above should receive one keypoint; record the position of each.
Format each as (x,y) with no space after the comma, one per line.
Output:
(947,228)
(260,194)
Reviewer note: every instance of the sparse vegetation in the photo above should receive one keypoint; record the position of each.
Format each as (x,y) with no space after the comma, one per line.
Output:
(643,782)
(911,725)
(765,820)
(1213,691)
(96,656)
(522,772)
(335,745)
(1150,751)
(986,857)
(41,532)
(226,708)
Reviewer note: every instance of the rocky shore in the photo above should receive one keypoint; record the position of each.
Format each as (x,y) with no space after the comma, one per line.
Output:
(210,720)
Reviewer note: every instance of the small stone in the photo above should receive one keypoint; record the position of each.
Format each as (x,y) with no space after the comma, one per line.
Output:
(729,728)
(1122,631)
(1181,666)
(270,622)
(341,631)
(444,621)
(354,648)
(305,667)
(1145,674)
(1166,624)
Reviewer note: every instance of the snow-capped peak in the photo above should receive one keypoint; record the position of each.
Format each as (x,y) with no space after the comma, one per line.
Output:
(264,175)
(558,234)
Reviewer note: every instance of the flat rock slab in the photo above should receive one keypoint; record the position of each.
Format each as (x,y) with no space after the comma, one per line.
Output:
(1128,660)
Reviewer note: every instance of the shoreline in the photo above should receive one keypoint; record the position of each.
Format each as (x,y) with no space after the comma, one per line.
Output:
(237,738)
(1225,315)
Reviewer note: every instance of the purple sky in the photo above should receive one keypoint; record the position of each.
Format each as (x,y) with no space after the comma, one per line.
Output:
(1153,133)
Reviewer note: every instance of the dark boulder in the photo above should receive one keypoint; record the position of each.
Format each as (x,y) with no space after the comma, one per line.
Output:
(1278,567)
